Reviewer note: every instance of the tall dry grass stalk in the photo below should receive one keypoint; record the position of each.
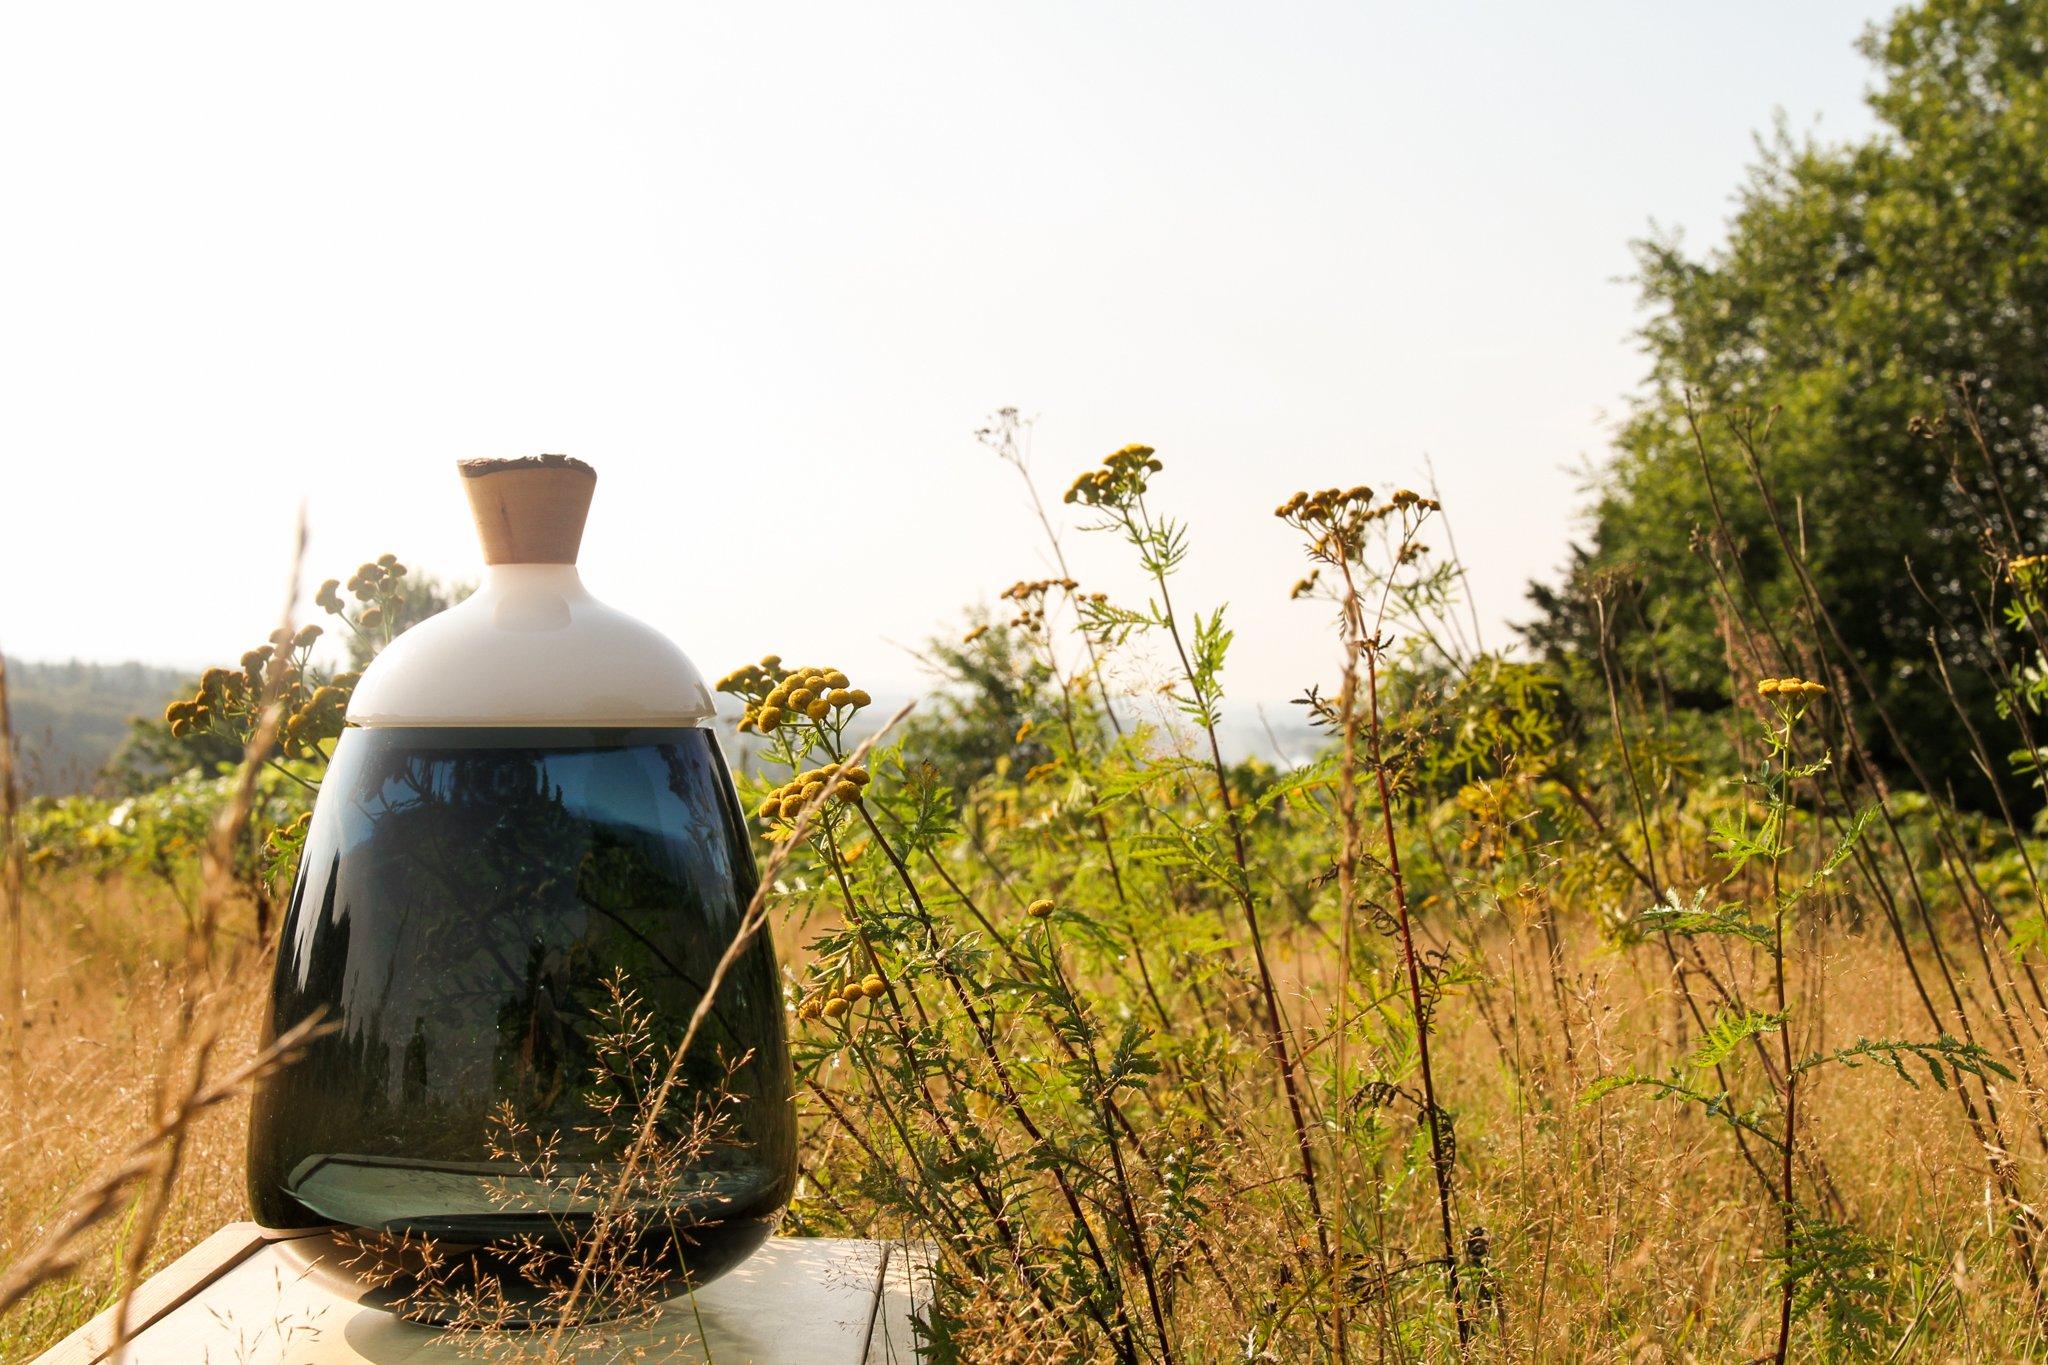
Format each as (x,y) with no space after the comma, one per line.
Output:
(192,1054)
(149,1168)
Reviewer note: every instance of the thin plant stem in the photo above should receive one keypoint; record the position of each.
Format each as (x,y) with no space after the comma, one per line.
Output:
(1439,1154)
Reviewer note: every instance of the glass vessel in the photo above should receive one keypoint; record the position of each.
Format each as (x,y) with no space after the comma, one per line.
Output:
(524,868)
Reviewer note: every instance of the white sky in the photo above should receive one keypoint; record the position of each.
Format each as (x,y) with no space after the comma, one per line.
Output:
(765,266)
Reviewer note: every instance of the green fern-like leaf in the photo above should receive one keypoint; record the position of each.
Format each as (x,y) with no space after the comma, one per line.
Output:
(1958,1057)
(1730,1031)
(1696,917)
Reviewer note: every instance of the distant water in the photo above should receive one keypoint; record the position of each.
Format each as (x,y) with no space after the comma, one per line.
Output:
(1271,732)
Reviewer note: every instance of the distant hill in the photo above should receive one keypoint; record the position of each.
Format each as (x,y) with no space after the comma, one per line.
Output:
(69,718)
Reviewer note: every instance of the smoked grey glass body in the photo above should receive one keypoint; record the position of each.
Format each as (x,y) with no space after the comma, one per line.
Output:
(488,918)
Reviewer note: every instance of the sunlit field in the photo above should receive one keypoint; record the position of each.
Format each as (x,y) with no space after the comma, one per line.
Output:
(1668,982)
(1529,1014)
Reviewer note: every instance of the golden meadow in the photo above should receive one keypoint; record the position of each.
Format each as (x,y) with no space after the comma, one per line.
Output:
(1525,1019)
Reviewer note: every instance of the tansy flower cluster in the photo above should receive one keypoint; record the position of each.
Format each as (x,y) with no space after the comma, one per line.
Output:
(1790,688)
(1030,599)
(1327,508)
(376,586)
(1120,481)
(2029,574)
(320,715)
(287,837)
(774,695)
(833,1003)
(1336,519)
(227,702)
(841,784)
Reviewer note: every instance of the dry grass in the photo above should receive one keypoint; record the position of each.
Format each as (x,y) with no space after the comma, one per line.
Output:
(106,982)
(1627,1230)
(1622,1230)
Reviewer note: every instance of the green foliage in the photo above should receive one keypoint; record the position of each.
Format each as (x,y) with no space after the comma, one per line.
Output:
(1858,282)
(1498,709)
(991,712)
(1961,1059)
(1843,1277)
(1693,917)
(1729,1031)
(1716,1104)
(160,833)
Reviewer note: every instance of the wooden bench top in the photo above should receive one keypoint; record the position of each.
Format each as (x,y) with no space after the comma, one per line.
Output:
(247,1295)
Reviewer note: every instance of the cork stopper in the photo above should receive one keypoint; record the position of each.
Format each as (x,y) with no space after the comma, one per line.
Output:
(529,510)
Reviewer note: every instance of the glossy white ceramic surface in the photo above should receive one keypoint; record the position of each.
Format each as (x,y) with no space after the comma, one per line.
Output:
(531,647)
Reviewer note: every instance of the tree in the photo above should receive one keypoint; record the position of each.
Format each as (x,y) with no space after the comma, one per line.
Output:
(1863,291)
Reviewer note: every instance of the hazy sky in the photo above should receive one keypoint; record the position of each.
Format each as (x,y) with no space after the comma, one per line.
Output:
(769,266)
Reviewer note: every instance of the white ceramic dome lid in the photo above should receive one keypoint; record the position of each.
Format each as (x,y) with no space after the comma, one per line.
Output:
(531,647)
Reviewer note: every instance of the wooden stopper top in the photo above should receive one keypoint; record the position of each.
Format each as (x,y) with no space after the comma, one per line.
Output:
(529,510)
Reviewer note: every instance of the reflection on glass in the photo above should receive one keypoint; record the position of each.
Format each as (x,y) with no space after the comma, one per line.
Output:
(511,929)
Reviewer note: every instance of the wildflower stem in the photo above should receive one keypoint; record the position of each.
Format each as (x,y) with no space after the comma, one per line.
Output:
(1103,1100)
(1439,1156)
(1781,797)
(1125,1347)
(1141,533)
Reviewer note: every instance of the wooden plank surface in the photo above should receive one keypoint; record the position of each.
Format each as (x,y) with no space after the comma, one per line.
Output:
(159,1294)
(246,1296)
(905,1292)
